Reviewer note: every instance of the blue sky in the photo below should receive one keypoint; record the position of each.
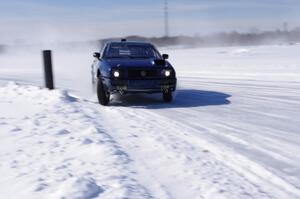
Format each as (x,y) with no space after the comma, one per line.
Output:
(91,19)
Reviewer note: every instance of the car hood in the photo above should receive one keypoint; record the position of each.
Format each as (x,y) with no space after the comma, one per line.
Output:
(128,63)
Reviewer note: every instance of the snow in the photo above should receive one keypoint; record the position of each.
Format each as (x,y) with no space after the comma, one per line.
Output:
(231,132)
(50,147)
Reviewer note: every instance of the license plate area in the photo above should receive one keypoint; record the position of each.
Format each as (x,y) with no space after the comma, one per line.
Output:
(143,84)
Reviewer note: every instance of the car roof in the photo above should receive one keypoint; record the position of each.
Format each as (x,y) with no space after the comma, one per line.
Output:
(130,42)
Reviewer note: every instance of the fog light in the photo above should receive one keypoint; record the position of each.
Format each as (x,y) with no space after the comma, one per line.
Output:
(167,73)
(116,74)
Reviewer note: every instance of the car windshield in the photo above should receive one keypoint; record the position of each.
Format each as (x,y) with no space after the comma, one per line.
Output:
(131,51)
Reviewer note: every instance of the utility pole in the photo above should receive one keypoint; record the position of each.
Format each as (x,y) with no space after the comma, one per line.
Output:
(166,13)
(285,26)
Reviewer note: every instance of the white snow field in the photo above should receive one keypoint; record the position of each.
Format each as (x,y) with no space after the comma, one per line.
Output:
(232,131)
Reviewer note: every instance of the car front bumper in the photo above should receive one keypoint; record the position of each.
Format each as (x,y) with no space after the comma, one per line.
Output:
(140,85)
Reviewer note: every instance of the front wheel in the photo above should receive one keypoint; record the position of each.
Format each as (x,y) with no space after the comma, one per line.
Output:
(103,95)
(167,96)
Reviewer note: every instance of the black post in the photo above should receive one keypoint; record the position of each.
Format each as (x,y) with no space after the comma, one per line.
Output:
(48,69)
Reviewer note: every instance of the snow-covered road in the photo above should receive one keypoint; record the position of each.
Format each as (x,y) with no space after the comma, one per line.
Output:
(232,132)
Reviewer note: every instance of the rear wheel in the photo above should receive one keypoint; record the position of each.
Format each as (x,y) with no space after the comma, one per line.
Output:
(167,96)
(103,95)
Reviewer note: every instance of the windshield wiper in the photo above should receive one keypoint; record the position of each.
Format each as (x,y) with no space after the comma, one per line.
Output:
(143,57)
(129,56)
(113,57)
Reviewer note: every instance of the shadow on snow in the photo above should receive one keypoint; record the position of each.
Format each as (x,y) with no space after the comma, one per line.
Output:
(182,98)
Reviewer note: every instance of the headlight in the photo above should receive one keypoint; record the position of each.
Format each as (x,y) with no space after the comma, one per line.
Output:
(116,74)
(167,73)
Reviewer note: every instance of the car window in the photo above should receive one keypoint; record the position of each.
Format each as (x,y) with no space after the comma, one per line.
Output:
(131,50)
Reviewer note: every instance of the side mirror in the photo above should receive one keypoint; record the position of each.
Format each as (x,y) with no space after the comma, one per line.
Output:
(96,55)
(165,56)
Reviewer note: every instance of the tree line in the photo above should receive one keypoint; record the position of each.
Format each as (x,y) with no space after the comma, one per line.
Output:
(233,38)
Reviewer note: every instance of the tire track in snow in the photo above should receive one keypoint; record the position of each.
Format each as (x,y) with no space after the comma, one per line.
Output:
(259,176)
(222,168)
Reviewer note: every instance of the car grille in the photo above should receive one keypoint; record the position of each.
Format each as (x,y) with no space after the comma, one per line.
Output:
(141,74)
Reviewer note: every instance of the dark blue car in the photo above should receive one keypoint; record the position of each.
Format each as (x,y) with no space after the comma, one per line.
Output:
(132,67)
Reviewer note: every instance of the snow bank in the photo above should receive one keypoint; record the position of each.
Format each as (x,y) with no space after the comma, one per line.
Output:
(50,148)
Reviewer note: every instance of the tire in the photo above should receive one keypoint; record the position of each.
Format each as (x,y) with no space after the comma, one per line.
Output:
(167,96)
(103,96)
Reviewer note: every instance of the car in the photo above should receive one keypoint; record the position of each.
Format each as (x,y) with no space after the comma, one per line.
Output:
(132,67)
